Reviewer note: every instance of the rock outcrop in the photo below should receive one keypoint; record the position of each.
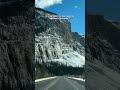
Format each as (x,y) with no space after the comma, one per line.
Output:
(56,42)
(16,45)
(102,54)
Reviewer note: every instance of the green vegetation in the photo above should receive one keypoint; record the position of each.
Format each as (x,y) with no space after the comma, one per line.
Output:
(56,69)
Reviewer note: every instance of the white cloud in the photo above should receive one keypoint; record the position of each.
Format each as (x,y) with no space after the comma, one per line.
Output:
(46,3)
(75,6)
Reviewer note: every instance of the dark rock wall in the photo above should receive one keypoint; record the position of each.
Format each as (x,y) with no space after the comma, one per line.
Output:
(17,46)
(102,54)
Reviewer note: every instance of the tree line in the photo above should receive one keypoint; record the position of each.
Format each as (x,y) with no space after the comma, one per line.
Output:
(56,69)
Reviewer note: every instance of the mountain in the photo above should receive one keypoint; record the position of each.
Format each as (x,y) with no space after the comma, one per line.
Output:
(55,42)
(102,53)
(79,38)
(16,45)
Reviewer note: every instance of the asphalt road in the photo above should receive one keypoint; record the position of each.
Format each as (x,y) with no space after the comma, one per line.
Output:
(59,83)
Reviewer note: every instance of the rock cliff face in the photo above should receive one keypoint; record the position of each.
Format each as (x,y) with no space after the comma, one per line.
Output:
(55,41)
(16,46)
(102,54)
(79,38)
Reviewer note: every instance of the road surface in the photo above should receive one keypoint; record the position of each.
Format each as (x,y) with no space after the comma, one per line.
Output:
(59,83)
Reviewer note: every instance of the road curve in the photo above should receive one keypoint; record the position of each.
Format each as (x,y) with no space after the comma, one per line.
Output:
(59,83)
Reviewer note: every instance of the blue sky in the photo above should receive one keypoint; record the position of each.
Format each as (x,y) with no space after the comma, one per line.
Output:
(74,8)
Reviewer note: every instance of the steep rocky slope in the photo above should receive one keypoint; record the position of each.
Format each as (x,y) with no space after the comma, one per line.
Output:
(55,41)
(16,45)
(102,54)
(79,38)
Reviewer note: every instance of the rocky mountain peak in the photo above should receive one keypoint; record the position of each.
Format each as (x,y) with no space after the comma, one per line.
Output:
(56,42)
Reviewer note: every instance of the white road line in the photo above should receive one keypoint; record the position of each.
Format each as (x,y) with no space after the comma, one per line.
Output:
(72,84)
(51,85)
(79,79)
(38,80)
